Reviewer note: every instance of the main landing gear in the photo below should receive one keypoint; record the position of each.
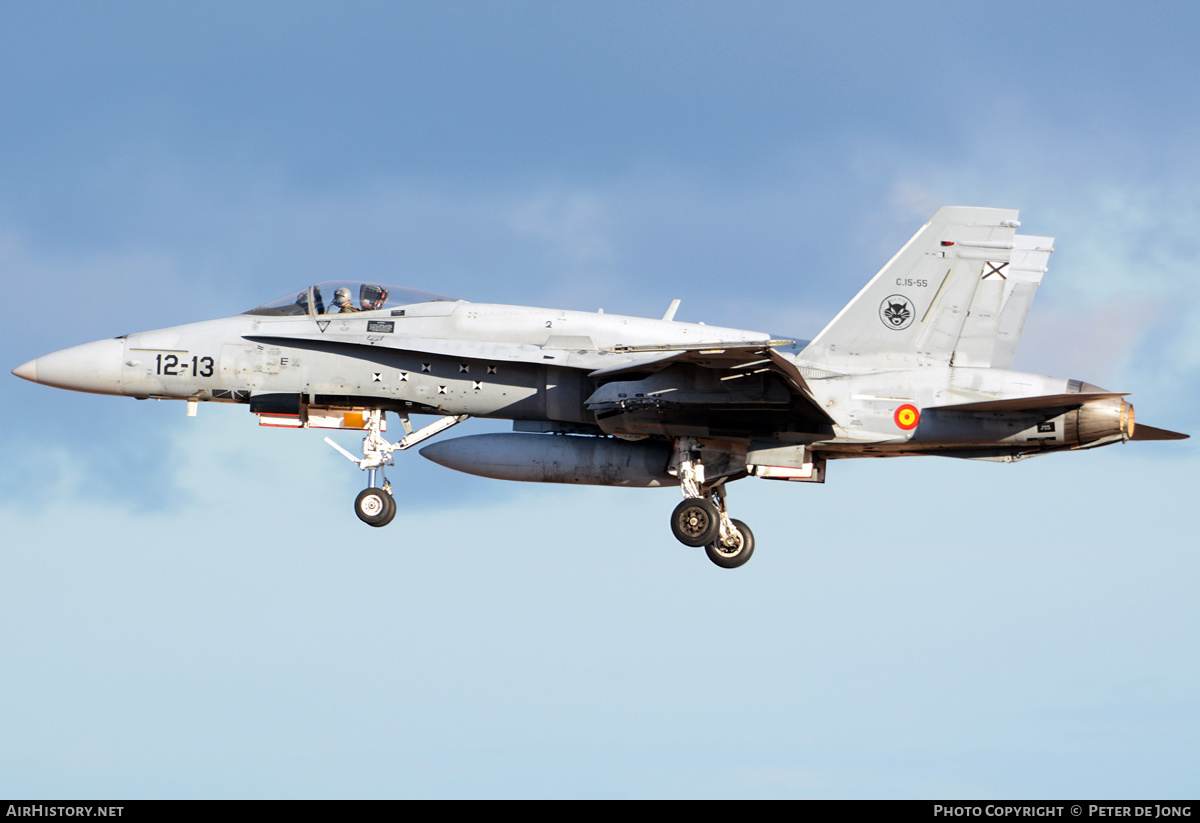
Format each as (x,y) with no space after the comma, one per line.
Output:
(701,519)
(375,505)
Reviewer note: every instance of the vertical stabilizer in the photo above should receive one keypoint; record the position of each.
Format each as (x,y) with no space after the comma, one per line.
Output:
(913,311)
(1029,261)
(1001,304)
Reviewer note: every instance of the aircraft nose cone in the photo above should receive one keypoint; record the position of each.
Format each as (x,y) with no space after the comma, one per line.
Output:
(92,367)
(27,371)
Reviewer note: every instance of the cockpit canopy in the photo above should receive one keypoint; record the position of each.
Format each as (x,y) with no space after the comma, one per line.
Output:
(346,296)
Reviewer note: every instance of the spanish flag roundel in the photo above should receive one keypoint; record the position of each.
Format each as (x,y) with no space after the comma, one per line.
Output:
(907,417)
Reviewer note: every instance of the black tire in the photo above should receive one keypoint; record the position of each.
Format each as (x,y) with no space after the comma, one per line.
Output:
(730,557)
(391,512)
(374,507)
(695,522)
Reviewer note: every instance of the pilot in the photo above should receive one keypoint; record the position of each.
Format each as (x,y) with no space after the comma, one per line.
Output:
(341,299)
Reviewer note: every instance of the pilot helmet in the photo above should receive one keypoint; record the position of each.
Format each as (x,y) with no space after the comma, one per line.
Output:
(340,296)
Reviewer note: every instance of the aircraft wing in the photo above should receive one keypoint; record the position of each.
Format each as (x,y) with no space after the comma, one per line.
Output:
(736,358)
(711,355)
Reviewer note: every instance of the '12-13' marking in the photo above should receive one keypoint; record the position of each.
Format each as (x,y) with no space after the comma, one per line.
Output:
(172,365)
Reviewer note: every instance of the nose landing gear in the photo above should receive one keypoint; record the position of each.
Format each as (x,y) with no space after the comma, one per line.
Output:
(375,505)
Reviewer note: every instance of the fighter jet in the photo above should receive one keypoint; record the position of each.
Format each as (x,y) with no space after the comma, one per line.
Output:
(916,364)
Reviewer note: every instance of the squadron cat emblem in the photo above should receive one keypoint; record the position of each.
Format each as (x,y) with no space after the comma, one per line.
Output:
(896,312)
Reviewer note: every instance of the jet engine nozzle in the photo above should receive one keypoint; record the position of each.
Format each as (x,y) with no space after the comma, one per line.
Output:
(1108,419)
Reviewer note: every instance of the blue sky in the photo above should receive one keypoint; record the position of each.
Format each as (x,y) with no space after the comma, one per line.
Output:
(190,607)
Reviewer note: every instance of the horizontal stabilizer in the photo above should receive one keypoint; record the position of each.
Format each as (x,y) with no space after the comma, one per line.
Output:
(1142,432)
(1016,404)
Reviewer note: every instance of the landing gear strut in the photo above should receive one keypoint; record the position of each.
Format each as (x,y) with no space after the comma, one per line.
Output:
(701,519)
(375,505)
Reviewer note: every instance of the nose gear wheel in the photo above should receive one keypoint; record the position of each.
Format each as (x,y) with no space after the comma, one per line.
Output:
(375,507)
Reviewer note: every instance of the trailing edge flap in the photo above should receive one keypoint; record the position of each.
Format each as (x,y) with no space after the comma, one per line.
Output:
(732,357)
(738,354)
(1141,432)
(1017,404)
